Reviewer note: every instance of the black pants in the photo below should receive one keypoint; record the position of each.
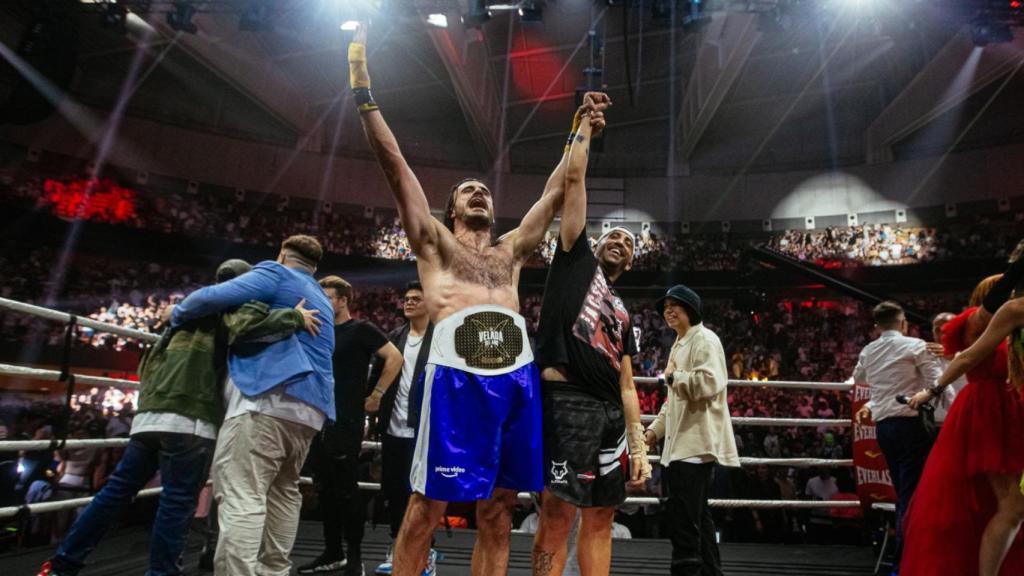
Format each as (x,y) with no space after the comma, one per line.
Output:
(691,528)
(906,445)
(396,462)
(336,477)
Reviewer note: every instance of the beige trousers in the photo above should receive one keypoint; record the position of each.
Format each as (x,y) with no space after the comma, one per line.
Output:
(256,485)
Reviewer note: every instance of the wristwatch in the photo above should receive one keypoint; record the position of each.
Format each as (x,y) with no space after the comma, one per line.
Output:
(935,390)
(670,378)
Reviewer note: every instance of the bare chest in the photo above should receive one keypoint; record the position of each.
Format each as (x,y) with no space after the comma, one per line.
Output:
(491,268)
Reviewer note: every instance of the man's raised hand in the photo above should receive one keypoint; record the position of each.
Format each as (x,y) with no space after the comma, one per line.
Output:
(597,101)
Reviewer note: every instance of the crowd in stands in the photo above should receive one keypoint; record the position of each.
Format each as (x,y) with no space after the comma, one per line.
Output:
(262,219)
(894,244)
(133,297)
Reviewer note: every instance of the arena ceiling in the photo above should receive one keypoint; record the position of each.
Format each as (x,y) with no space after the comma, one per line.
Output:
(749,91)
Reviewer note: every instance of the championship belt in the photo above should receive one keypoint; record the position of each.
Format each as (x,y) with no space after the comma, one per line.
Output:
(485,340)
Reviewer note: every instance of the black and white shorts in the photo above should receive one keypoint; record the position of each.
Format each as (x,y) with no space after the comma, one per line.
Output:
(585,458)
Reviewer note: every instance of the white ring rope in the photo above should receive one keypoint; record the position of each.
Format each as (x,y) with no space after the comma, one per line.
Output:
(781,422)
(54,375)
(12,370)
(64,318)
(28,445)
(42,507)
(790,384)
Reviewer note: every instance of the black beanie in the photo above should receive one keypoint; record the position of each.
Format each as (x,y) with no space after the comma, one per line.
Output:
(688,298)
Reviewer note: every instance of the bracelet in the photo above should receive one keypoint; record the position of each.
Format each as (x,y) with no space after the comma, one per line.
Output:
(935,390)
(378,389)
(364,100)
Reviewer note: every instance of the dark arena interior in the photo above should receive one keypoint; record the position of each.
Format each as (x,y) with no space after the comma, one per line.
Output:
(789,216)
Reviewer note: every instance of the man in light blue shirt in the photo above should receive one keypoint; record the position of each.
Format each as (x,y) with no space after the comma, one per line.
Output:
(277,397)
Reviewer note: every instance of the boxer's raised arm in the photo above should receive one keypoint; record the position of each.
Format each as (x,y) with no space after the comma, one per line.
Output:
(421,228)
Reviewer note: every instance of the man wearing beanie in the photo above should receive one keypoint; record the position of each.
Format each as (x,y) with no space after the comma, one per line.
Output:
(590,409)
(180,408)
(694,422)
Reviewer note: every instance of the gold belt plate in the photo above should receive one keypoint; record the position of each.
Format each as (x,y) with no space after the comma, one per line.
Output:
(489,340)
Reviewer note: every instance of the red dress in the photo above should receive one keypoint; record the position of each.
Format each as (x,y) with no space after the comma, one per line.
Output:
(983,434)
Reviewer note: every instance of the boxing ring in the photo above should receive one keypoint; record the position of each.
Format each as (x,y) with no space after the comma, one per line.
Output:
(71,379)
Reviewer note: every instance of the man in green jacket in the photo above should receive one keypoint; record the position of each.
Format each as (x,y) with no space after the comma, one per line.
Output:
(175,430)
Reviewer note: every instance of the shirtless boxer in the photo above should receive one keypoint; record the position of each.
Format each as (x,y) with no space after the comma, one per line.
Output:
(479,437)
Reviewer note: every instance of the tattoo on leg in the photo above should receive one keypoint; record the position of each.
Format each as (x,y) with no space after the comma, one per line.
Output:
(542,563)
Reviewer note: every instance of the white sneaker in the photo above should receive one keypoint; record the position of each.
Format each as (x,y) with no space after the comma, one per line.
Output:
(385,568)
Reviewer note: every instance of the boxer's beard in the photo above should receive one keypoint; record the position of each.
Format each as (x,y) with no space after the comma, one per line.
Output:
(474,221)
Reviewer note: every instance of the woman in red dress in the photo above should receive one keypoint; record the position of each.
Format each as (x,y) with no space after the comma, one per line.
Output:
(965,515)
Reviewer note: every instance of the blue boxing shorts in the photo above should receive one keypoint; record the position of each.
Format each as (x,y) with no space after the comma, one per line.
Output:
(480,426)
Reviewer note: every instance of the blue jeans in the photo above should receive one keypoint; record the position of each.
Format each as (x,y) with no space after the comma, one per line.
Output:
(906,445)
(183,461)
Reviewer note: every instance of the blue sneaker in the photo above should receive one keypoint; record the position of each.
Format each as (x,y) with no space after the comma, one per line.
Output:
(385,568)
(432,559)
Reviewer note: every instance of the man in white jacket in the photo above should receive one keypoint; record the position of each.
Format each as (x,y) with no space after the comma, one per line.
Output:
(695,423)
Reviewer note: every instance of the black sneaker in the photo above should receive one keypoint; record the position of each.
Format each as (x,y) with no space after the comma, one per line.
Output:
(355,569)
(206,559)
(323,564)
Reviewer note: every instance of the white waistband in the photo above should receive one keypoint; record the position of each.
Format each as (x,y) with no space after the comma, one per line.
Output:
(480,336)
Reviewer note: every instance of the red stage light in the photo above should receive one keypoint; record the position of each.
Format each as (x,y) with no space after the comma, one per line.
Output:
(1015,4)
(90,199)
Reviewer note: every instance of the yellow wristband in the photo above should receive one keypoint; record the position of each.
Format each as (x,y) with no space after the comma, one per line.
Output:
(359,75)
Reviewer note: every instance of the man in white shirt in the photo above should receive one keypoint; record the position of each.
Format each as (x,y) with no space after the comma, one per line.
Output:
(399,413)
(891,366)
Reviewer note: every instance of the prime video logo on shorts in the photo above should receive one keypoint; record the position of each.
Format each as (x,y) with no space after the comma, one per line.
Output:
(449,471)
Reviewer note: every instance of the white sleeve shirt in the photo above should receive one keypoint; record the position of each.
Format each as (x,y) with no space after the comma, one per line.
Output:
(892,365)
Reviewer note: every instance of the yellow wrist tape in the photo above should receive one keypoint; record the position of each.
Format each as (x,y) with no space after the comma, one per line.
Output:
(358,74)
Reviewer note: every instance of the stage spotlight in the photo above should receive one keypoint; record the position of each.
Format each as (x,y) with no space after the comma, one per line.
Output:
(985,33)
(438,20)
(349,25)
(258,17)
(477,16)
(180,19)
(531,10)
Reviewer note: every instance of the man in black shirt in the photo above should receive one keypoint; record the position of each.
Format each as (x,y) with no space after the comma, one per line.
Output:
(335,451)
(591,411)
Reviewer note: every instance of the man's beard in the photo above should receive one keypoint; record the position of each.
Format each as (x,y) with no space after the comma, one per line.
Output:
(475,222)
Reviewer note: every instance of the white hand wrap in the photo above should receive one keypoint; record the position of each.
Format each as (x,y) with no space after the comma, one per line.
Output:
(638,449)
